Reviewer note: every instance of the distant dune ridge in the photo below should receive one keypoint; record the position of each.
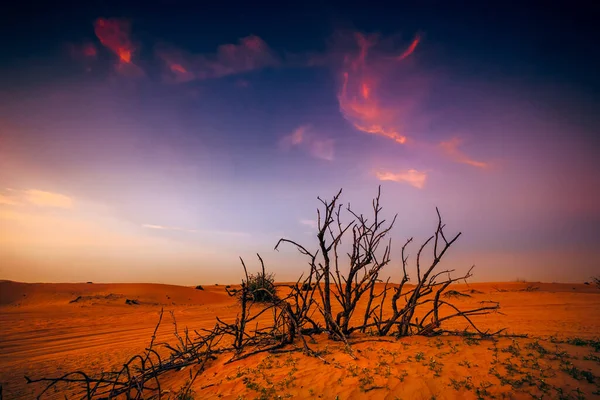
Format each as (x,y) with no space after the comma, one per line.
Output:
(55,294)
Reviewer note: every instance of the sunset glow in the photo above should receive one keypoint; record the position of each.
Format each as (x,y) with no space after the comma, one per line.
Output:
(162,147)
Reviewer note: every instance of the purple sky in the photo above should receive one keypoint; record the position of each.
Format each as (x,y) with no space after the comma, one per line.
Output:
(126,155)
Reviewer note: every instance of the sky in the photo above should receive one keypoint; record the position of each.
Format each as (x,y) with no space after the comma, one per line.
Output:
(160,142)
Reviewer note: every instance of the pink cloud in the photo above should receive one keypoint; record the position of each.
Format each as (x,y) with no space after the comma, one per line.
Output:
(177,64)
(322,148)
(39,198)
(167,228)
(311,223)
(249,54)
(451,148)
(115,35)
(7,200)
(412,177)
(305,138)
(410,49)
(374,96)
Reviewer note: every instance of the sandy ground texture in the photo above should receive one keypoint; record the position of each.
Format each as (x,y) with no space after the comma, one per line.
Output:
(50,329)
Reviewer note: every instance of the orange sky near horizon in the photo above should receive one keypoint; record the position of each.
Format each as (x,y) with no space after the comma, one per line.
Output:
(161,149)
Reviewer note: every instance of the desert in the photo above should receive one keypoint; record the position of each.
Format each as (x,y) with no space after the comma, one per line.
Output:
(46,332)
(299,200)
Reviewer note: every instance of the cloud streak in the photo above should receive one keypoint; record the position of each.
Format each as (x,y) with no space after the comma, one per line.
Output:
(410,49)
(364,70)
(47,199)
(305,138)
(167,228)
(451,148)
(251,53)
(8,201)
(177,229)
(412,177)
(115,35)
(39,198)
(311,223)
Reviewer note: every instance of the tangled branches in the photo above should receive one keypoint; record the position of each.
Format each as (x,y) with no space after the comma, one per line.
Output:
(140,374)
(369,254)
(335,297)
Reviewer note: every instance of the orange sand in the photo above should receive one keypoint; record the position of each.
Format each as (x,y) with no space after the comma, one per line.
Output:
(44,333)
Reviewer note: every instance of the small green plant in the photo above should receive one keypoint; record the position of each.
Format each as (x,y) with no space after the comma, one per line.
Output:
(595,343)
(366,380)
(185,393)
(465,383)
(471,341)
(403,374)
(383,368)
(513,349)
(199,287)
(434,366)
(353,369)
(482,390)
(577,373)
(420,356)
(536,346)
(576,341)
(592,357)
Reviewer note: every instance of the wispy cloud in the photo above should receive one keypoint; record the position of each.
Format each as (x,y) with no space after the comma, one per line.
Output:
(228,233)
(115,35)
(305,138)
(167,228)
(412,177)
(47,199)
(322,148)
(451,148)
(39,198)
(249,54)
(297,136)
(8,200)
(410,49)
(178,229)
(311,223)
(365,70)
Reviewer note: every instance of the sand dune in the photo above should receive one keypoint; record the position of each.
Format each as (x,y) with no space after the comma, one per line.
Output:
(48,329)
(52,294)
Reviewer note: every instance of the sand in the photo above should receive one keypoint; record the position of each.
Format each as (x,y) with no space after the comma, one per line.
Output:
(50,329)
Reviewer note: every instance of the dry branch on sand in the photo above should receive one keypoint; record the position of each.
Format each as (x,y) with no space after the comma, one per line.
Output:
(269,323)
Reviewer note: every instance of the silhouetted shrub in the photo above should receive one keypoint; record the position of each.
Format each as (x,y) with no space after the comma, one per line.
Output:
(456,294)
(199,287)
(261,287)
